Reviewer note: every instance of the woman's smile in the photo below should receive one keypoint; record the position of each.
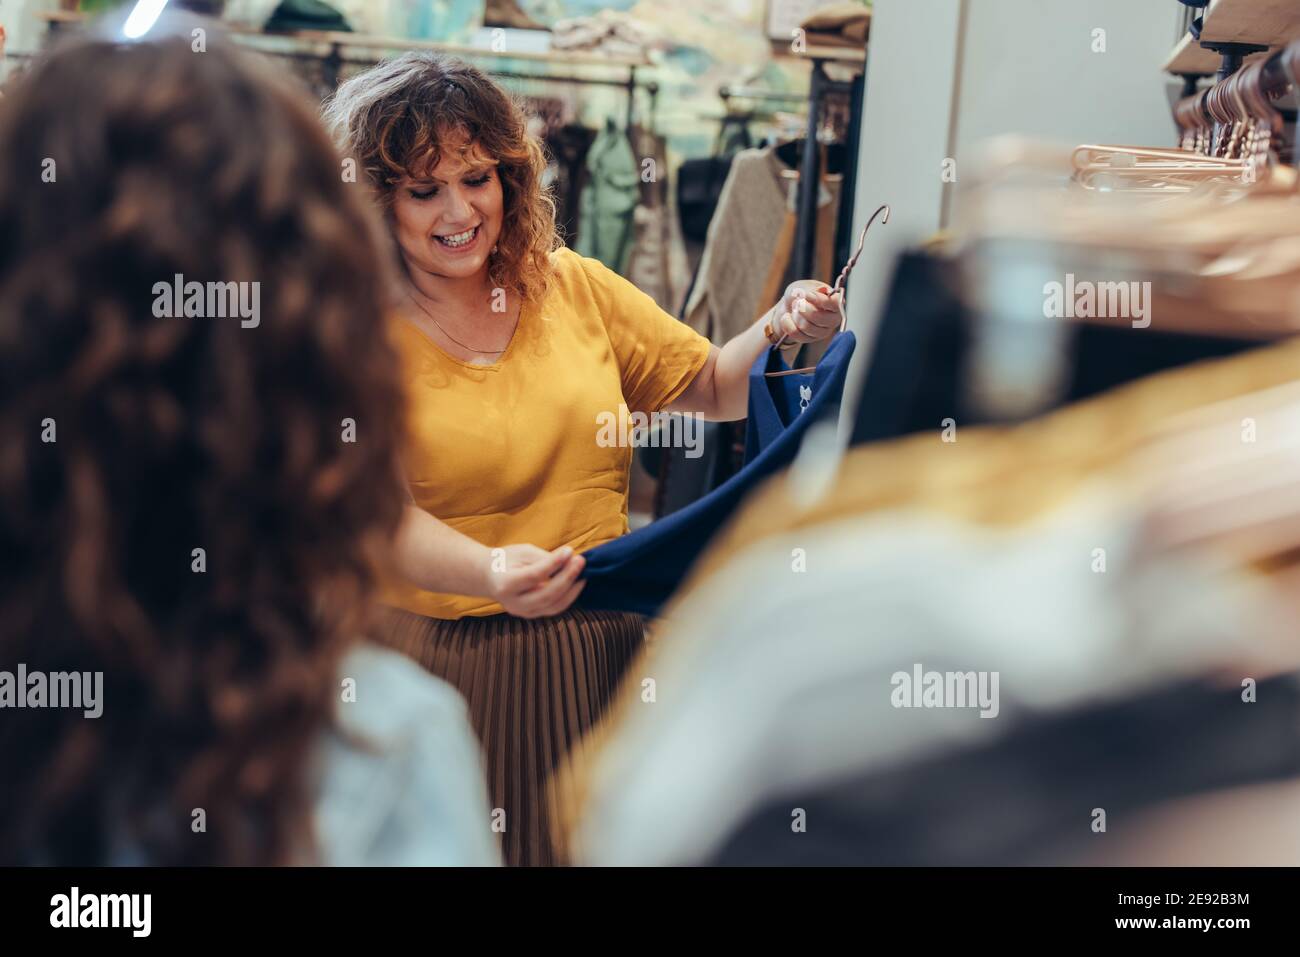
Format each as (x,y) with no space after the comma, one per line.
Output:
(459,242)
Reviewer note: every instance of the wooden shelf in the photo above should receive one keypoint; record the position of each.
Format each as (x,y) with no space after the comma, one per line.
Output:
(302,38)
(1190,57)
(780,50)
(369,41)
(1275,22)
(838,54)
(1272,22)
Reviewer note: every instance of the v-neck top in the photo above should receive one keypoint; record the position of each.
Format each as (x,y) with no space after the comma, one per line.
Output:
(518,451)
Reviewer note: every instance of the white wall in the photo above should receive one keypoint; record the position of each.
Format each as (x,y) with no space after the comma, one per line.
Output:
(943,76)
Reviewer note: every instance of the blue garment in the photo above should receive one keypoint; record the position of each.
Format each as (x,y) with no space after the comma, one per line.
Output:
(640,570)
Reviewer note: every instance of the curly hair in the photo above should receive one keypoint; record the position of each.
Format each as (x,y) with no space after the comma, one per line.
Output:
(395,120)
(129,441)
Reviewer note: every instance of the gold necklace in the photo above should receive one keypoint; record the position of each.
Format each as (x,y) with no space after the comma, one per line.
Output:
(484,352)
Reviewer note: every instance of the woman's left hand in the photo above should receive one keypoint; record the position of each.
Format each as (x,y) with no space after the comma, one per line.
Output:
(807,312)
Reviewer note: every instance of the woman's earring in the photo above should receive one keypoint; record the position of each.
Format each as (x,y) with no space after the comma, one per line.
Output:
(494,247)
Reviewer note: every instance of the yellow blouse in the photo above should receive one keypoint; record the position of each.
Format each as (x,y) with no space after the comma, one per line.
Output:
(509,452)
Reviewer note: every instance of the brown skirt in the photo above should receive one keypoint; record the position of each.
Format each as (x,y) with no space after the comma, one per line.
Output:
(534,688)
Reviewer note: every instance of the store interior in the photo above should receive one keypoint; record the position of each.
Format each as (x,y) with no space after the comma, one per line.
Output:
(950,531)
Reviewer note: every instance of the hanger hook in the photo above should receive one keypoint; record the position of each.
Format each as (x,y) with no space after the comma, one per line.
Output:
(839,283)
(862,241)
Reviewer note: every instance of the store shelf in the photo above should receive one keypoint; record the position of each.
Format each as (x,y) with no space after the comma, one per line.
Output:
(373,42)
(1272,22)
(316,38)
(1190,57)
(838,54)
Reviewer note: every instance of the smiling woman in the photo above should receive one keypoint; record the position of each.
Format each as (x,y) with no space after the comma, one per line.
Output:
(512,349)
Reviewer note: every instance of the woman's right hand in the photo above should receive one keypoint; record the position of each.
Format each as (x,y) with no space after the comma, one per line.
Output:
(531,582)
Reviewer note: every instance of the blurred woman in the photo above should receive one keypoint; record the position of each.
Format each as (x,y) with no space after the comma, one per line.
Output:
(194,500)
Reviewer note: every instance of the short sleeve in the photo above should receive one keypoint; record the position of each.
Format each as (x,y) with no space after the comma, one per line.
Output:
(658,355)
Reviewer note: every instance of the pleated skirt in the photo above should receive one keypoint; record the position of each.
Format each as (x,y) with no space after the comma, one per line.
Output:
(534,688)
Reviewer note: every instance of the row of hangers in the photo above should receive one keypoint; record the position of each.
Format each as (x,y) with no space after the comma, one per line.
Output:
(1229,133)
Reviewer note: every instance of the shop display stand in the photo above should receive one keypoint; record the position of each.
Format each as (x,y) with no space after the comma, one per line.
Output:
(809,168)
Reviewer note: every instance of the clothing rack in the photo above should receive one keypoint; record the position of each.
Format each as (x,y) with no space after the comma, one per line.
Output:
(337,42)
(1232,29)
(1276,73)
(752,93)
(820,84)
(307,45)
(631,84)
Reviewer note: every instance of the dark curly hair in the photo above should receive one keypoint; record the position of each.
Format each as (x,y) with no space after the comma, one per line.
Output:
(121,166)
(395,119)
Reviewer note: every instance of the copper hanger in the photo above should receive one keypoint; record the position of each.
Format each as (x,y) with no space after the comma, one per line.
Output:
(840,287)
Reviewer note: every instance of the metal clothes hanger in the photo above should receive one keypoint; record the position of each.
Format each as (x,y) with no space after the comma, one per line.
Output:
(840,287)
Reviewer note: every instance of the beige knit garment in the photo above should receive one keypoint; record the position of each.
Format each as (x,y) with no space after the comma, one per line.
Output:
(741,242)
(743,238)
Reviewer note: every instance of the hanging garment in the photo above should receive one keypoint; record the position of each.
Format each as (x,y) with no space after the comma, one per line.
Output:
(657,261)
(742,234)
(771,679)
(638,571)
(1002,804)
(613,191)
(568,146)
(685,478)
(754,224)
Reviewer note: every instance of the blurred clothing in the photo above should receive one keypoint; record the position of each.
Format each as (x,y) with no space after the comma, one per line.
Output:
(567,147)
(657,263)
(772,681)
(397,782)
(1016,550)
(742,241)
(748,258)
(401,780)
(1006,802)
(612,192)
